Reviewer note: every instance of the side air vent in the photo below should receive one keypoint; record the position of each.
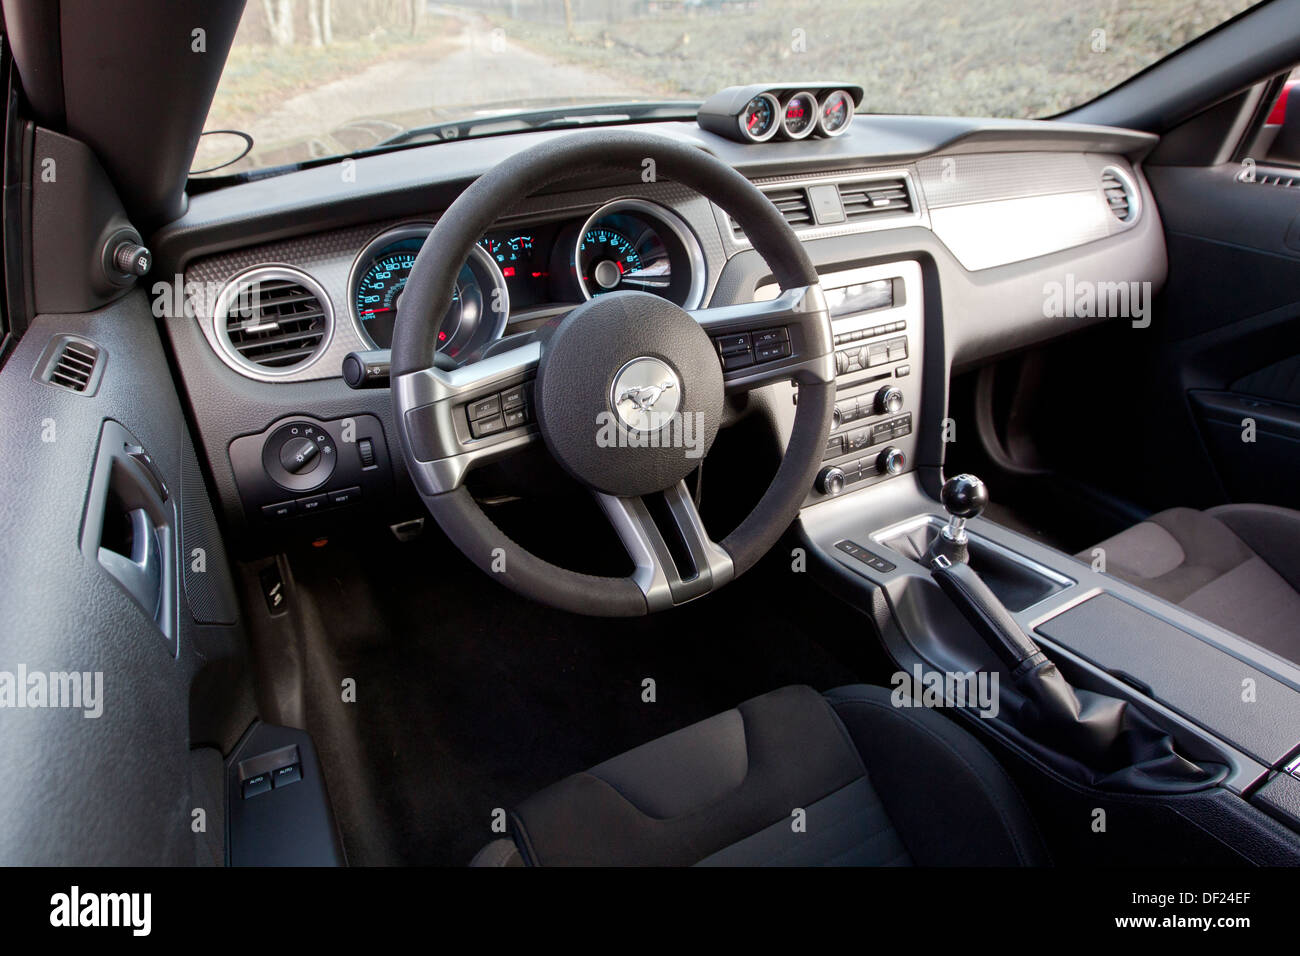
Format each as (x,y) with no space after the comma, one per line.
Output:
(71,362)
(273,320)
(1121,194)
(791,203)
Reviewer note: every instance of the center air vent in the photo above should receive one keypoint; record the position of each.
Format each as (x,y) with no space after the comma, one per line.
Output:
(791,203)
(273,319)
(1120,193)
(874,197)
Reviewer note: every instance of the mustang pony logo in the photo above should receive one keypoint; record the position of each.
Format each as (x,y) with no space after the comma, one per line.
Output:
(643,397)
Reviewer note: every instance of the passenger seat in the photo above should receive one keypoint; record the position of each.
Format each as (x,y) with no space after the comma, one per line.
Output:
(1235,565)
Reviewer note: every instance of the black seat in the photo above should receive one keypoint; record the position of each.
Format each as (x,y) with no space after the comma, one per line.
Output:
(791,778)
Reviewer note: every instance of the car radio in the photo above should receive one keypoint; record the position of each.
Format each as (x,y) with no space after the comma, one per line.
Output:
(876,319)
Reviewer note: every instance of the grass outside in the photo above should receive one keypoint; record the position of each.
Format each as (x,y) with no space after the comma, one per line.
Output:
(993,58)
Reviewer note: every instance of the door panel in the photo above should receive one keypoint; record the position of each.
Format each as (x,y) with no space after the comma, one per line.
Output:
(1228,358)
(92,587)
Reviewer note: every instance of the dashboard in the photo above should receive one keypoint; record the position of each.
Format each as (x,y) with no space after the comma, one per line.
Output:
(935,239)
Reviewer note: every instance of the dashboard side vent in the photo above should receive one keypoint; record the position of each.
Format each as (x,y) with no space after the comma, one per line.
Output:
(874,197)
(71,362)
(273,319)
(791,203)
(1121,196)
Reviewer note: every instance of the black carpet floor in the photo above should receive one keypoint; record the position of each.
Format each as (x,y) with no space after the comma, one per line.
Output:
(470,698)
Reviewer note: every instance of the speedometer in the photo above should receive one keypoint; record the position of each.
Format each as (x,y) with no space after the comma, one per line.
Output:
(479,300)
(380,288)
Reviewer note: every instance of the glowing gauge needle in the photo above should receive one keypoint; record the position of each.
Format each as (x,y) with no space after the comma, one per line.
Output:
(373,311)
(652,275)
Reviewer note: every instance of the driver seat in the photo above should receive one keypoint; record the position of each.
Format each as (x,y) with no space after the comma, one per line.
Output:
(877,784)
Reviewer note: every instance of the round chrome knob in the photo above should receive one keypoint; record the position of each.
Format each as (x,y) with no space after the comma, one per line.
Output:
(889,400)
(830,480)
(891,461)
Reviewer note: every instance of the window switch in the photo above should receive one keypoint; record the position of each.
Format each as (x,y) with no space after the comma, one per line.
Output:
(283,776)
(256,785)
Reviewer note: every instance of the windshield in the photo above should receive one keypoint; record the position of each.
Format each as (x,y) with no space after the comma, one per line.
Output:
(308,79)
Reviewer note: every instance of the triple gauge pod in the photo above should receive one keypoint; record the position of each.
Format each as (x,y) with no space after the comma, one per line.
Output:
(756,114)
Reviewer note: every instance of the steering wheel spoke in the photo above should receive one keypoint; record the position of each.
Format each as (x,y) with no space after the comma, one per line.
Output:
(676,560)
(785,338)
(458,419)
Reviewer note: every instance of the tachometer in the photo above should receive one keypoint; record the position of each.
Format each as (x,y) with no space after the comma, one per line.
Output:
(637,246)
(605,257)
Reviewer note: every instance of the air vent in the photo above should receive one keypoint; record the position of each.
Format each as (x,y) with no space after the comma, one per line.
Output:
(791,203)
(874,197)
(71,362)
(1254,176)
(1120,194)
(273,320)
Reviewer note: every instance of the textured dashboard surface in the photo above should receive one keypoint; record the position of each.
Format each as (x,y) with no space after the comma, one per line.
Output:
(328,257)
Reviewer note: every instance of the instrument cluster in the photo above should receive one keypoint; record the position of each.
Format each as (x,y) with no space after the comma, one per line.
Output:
(628,244)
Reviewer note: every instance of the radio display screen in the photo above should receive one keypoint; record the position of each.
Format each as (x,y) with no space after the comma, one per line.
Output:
(862,297)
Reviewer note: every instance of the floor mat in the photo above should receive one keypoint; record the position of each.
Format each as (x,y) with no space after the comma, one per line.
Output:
(469,698)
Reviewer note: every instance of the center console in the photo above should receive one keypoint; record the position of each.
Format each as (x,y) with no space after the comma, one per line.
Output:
(876,317)
(1221,700)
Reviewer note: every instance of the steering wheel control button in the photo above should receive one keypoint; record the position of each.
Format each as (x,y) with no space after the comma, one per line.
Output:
(740,342)
(484,408)
(484,427)
(299,455)
(513,398)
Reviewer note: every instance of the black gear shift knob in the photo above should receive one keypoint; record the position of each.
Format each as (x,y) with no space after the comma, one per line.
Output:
(964,496)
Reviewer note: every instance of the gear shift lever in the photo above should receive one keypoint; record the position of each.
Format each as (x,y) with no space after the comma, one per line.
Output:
(1101,738)
(964,497)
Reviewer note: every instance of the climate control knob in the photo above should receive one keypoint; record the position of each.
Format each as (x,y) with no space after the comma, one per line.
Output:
(830,480)
(891,461)
(889,400)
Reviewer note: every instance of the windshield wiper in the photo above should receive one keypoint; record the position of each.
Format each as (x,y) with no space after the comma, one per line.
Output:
(595,114)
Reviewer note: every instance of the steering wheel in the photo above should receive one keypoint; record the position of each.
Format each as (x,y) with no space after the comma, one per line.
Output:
(627,391)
